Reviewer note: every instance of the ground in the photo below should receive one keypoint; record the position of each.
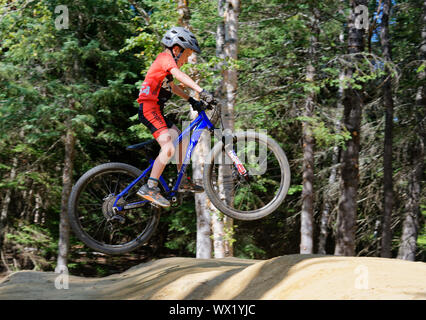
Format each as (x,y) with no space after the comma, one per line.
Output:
(285,277)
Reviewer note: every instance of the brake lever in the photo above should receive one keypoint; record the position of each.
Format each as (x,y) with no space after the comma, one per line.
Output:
(212,104)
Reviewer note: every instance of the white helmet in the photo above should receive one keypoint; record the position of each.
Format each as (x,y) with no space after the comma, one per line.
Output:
(181,37)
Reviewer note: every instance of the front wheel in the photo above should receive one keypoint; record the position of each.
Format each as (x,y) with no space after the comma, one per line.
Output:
(261,190)
(91,214)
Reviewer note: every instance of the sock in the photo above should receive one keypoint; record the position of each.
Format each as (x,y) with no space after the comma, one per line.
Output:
(152,183)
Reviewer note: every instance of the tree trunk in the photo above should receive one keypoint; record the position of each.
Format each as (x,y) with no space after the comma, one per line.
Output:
(308,142)
(410,227)
(204,244)
(220,34)
(230,82)
(204,209)
(307,215)
(231,51)
(6,201)
(352,101)
(38,203)
(218,227)
(184,13)
(202,203)
(387,156)
(204,241)
(408,247)
(325,216)
(64,227)
(218,235)
(328,200)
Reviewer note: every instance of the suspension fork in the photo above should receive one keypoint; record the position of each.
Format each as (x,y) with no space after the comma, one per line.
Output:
(228,140)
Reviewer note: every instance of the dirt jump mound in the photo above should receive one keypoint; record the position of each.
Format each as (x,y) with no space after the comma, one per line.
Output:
(285,277)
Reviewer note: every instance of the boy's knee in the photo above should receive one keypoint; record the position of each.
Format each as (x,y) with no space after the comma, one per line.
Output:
(168,149)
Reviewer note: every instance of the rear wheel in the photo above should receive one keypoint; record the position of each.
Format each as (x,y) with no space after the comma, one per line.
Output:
(259,193)
(94,221)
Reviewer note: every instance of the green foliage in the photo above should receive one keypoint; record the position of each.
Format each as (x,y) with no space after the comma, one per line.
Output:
(35,242)
(421,240)
(324,137)
(421,68)
(294,189)
(147,41)
(182,227)
(89,75)
(250,251)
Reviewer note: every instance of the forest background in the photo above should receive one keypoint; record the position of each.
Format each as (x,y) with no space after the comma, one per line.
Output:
(299,66)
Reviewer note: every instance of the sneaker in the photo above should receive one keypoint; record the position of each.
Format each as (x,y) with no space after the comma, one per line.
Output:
(153,195)
(187,185)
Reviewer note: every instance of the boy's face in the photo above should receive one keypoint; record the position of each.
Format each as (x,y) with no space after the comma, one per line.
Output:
(184,57)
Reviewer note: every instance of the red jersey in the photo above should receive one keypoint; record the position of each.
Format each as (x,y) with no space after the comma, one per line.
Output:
(159,69)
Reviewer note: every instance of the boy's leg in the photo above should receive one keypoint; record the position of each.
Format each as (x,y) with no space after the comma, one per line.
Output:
(167,150)
(181,148)
(151,116)
(180,153)
(151,191)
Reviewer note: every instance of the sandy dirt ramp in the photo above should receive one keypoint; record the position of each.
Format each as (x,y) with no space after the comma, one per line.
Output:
(286,277)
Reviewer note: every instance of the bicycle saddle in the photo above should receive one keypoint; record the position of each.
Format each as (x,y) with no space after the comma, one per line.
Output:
(150,146)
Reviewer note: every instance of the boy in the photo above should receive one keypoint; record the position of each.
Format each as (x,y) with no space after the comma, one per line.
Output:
(179,45)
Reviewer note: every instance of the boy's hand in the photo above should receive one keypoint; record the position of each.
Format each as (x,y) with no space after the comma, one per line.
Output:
(196,105)
(206,96)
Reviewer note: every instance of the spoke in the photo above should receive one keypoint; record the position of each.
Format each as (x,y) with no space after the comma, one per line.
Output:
(236,185)
(118,182)
(111,236)
(128,194)
(279,168)
(103,232)
(106,185)
(132,193)
(92,210)
(248,201)
(99,226)
(110,184)
(241,202)
(94,194)
(261,189)
(267,156)
(91,215)
(278,175)
(91,204)
(261,202)
(137,223)
(255,206)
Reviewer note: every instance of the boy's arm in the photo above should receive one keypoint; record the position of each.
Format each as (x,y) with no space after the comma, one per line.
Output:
(179,91)
(196,105)
(186,80)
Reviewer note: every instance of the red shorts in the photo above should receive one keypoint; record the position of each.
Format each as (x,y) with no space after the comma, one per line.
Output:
(151,115)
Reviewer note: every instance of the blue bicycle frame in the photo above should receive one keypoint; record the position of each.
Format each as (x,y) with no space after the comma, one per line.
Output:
(198,125)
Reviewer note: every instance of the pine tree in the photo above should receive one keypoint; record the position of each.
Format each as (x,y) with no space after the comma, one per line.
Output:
(346,220)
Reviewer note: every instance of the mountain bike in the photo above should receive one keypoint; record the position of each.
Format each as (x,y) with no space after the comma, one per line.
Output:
(246,176)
